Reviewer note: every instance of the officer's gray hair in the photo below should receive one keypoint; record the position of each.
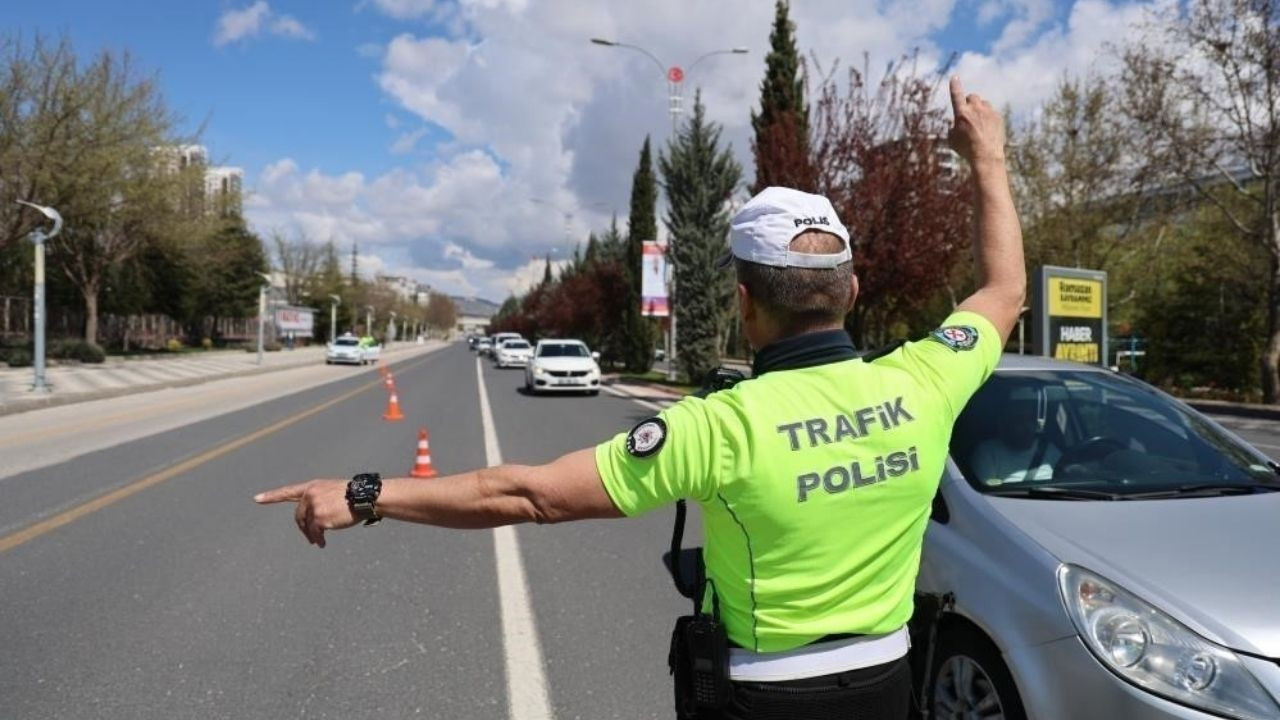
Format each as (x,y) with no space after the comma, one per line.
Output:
(801,299)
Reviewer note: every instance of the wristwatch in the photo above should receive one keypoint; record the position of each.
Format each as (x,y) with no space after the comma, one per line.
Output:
(362,496)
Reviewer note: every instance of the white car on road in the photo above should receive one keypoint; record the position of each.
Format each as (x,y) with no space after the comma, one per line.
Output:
(513,353)
(345,349)
(560,365)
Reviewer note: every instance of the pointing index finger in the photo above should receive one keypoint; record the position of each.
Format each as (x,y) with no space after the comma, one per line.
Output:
(957,93)
(282,494)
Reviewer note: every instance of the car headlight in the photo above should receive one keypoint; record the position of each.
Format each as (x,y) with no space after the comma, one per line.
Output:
(539,371)
(1157,653)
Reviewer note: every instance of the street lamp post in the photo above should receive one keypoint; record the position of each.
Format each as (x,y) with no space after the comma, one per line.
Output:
(391,329)
(675,76)
(334,302)
(368,320)
(38,238)
(262,310)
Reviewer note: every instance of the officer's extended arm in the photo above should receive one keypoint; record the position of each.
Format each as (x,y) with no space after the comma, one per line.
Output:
(566,489)
(978,135)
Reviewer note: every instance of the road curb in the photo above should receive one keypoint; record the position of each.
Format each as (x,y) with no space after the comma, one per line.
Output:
(52,400)
(1246,410)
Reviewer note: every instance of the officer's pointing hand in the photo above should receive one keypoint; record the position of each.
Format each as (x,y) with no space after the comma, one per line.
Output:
(321,505)
(978,130)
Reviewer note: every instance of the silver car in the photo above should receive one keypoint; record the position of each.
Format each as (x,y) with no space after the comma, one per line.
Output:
(1098,550)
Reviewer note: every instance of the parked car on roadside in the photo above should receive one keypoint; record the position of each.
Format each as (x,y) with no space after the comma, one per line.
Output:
(562,365)
(512,352)
(1097,549)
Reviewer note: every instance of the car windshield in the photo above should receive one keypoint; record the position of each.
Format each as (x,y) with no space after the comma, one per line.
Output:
(1093,434)
(515,345)
(346,342)
(563,350)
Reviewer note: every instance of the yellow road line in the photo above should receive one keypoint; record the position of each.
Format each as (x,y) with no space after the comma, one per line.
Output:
(32,532)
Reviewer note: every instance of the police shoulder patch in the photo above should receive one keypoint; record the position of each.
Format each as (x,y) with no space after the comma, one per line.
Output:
(956,337)
(647,437)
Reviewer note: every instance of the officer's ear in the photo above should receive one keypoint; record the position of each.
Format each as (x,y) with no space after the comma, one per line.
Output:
(746,305)
(853,292)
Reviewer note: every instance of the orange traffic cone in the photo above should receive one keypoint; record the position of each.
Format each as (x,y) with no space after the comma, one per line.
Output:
(382,369)
(422,464)
(393,407)
(390,381)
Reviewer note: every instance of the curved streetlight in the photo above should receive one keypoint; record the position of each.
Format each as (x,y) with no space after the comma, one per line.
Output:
(675,76)
(38,238)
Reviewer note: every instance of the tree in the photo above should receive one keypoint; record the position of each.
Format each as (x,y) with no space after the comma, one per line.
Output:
(635,344)
(700,177)
(228,282)
(298,261)
(1201,307)
(781,141)
(1073,178)
(881,157)
(84,139)
(1201,88)
(441,314)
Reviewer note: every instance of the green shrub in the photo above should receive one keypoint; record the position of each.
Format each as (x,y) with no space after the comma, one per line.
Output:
(174,345)
(271,347)
(18,357)
(87,353)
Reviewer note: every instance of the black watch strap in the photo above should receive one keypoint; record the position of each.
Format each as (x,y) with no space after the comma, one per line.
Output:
(362,497)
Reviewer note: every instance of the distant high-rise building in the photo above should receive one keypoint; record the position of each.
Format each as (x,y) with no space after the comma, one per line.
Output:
(222,187)
(222,190)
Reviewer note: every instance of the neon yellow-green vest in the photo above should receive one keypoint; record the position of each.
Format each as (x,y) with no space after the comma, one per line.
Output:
(815,484)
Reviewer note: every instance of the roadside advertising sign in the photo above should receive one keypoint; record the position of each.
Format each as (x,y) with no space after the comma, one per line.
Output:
(653,280)
(298,320)
(1071,314)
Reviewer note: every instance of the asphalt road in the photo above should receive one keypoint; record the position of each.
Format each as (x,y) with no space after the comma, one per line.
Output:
(140,581)
(174,596)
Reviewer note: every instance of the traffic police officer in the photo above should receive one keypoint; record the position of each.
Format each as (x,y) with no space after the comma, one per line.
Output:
(815,478)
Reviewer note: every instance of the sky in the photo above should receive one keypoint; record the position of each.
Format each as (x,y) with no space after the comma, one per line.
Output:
(458,142)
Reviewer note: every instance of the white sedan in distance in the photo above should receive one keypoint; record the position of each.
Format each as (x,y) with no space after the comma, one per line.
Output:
(513,353)
(562,365)
(345,349)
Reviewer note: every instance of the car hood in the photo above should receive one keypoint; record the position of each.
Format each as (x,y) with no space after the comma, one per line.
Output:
(565,363)
(1209,562)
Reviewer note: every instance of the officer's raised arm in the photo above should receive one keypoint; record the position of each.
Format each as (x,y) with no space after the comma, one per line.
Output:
(978,136)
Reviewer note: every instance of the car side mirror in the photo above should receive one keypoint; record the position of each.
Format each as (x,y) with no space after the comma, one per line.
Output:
(595,356)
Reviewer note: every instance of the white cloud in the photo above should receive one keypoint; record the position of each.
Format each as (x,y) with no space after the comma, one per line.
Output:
(249,22)
(405,142)
(535,110)
(1024,74)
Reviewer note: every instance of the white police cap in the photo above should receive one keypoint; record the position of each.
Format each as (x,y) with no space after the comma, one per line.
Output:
(763,229)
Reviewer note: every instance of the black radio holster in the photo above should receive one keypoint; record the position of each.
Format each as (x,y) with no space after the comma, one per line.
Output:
(699,655)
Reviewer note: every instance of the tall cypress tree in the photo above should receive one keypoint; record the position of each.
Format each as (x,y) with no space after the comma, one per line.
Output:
(700,176)
(781,142)
(642,225)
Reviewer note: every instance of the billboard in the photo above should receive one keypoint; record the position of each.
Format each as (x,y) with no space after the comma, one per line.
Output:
(1071,311)
(653,280)
(297,320)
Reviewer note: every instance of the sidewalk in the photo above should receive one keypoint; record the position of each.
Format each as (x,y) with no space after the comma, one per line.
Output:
(121,376)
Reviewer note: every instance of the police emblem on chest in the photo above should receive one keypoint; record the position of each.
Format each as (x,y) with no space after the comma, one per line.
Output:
(647,438)
(956,337)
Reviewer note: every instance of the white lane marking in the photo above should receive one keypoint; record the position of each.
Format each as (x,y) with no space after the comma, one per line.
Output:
(526,683)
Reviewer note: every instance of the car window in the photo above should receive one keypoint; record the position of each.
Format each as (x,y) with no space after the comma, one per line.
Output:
(347,342)
(1094,430)
(516,345)
(562,350)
